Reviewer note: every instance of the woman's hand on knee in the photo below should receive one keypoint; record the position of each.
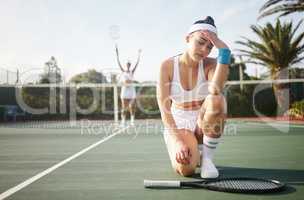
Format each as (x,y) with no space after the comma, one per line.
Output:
(183,153)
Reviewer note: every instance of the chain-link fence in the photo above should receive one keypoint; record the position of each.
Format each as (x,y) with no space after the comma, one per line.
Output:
(8,76)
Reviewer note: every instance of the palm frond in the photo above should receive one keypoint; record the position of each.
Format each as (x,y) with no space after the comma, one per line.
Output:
(297,60)
(277,46)
(271,11)
(286,8)
(296,28)
(269,4)
(291,8)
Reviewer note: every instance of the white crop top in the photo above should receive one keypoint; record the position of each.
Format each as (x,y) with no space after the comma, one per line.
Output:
(179,95)
(125,76)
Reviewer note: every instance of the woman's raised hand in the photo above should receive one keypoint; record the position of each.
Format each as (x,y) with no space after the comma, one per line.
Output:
(212,37)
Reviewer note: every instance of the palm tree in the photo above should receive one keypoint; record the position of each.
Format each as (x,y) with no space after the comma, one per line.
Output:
(278,48)
(284,7)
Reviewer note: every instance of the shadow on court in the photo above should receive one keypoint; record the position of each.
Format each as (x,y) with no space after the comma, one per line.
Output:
(292,177)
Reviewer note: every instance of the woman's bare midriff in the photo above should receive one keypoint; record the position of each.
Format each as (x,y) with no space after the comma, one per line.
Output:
(193,105)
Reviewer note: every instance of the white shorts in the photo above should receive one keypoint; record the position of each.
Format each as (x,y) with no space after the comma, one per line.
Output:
(128,93)
(184,119)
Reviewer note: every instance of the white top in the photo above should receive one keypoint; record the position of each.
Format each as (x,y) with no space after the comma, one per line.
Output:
(179,95)
(126,76)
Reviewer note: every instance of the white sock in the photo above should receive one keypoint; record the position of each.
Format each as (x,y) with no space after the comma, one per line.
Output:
(208,169)
(132,118)
(209,147)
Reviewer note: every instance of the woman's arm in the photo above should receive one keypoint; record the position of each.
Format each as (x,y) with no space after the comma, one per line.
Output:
(219,74)
(117,57)
(163,98)
(138,58)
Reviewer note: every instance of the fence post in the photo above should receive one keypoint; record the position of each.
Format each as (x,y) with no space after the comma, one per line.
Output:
(7,77)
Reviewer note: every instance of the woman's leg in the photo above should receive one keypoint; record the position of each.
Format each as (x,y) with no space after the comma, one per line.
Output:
(190,140)
(211,122)
(132,110)
(212,117)
(124,109)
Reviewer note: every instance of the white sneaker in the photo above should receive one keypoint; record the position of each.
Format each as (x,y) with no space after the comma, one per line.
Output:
(208,169)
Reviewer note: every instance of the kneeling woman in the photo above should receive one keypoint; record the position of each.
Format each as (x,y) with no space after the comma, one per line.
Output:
(189,97)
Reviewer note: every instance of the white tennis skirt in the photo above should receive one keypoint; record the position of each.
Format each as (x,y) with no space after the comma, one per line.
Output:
(128,93)
(184,119)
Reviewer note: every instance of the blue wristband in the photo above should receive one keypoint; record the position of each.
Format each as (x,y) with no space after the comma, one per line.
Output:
(224,56)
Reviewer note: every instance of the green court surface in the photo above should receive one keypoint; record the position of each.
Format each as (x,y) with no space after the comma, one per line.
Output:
(117,166)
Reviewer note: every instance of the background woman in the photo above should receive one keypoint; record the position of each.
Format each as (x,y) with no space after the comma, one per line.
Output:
(128,92)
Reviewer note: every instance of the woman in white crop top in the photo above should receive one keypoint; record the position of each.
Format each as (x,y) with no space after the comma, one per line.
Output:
(189,97)
(128,92)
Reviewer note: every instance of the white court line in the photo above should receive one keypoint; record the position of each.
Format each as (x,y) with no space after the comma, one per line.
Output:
(29,181)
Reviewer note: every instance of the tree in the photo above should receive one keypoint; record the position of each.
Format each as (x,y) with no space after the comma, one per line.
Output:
(278,49)
(237,70)
(284,7)
(91,76)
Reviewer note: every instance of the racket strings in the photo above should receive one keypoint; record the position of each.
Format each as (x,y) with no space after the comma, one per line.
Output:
(244,185)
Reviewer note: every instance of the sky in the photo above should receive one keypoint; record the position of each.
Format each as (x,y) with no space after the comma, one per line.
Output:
(81,34)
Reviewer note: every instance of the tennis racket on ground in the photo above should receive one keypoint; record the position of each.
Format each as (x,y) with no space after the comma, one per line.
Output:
(234,185)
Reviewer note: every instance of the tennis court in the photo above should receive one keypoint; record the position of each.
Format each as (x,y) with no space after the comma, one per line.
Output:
(98,160)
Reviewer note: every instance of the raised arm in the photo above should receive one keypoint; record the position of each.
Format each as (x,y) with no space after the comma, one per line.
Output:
(220,72)
(138,58)
(117,57)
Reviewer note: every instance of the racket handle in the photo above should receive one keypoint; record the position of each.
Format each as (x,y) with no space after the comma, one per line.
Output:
(161,184)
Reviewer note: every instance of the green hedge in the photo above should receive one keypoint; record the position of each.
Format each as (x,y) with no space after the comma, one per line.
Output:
(297,109)
(242,103)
